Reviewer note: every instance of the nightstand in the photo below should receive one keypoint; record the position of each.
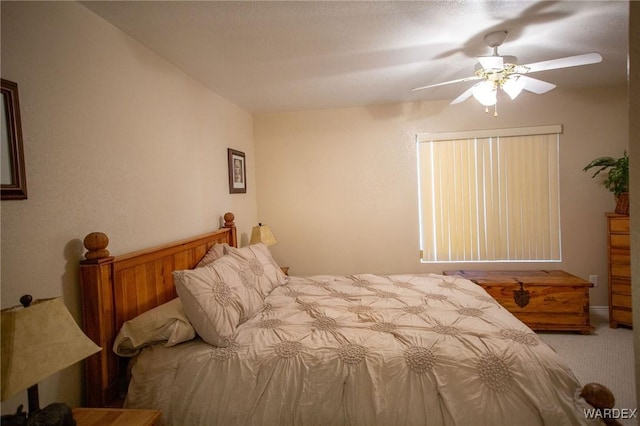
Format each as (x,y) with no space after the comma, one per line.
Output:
(115,417)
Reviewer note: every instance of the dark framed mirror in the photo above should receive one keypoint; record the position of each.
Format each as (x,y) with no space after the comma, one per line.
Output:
(13,180)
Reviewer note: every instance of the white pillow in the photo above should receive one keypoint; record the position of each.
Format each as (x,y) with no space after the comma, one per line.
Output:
(259,267)
(218,297)
(165,323)
(214,253)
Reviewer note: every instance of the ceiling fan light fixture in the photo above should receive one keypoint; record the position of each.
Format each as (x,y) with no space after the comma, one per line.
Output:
(485,93)
(513,86)
(502,72)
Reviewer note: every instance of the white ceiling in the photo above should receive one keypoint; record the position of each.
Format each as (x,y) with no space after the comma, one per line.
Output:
(267,56)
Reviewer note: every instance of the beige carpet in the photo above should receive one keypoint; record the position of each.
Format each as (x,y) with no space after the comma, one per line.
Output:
(605,357)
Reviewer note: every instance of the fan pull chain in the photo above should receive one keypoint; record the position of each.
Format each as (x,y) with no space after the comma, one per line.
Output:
(495,109)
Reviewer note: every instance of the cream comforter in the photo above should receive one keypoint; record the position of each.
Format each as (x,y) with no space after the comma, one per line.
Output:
(365,350)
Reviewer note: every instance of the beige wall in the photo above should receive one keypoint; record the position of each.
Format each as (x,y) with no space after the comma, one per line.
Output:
(338,187)
(117,140)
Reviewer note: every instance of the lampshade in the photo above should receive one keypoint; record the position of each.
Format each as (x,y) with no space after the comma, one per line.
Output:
(262,234)
(486,93)
(38,341)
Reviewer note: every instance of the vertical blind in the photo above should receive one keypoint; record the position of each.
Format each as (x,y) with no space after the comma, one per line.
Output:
(490,195)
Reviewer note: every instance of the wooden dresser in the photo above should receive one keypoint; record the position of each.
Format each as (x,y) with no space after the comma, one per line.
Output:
(543,300)
(619,253)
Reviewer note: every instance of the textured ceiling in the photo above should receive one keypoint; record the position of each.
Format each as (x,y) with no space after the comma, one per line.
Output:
(270,56)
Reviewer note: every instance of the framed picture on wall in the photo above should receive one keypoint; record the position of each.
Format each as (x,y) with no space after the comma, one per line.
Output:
(237,172)
(14,181)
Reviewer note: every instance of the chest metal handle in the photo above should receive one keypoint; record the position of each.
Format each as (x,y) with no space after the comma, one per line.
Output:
(522,296)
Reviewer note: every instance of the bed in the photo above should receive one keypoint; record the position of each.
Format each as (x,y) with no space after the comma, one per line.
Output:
(246,344)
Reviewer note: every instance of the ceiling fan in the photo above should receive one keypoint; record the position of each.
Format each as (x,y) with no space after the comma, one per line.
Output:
(501,72)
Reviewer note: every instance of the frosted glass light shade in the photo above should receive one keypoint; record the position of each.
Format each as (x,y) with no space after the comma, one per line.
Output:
(513,86)
(485,93)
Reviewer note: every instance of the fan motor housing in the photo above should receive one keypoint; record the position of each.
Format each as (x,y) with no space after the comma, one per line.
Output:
(496,38)
(507,61)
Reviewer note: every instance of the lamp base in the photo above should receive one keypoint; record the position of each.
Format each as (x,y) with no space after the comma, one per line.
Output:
(17,419)
(56,414)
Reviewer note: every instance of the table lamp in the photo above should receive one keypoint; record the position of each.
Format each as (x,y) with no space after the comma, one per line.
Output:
(262,234)
(39,340)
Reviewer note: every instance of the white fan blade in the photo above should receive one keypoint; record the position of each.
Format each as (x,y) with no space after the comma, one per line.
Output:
(465,95)
(491,62)
(569,61)
(460,80)
(536,86)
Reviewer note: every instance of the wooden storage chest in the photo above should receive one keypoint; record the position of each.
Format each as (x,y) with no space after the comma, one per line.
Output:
(619,254)
(543,300)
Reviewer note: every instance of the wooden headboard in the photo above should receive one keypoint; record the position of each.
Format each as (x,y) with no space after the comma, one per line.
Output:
(117,289)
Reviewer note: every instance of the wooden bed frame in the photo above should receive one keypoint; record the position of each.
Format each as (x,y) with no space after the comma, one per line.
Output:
(117,289)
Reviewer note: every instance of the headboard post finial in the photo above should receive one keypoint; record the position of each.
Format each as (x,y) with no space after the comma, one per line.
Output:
(228,220)
(228,223)
(96,243)
(600,397)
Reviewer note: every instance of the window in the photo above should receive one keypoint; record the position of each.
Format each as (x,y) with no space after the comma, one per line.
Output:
(489,196)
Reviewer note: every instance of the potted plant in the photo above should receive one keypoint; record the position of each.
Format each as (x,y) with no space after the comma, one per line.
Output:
(617,179)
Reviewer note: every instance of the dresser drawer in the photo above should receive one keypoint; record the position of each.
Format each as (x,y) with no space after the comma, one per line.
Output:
(621,300)
(622,316)
(620,285)
(619,255)
(620,270)
(619,224)
(620,241)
